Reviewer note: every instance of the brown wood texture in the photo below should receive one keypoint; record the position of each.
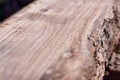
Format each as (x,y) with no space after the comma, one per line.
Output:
(49,40)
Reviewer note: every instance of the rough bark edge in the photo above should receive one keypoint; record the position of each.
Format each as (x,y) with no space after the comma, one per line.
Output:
(106,46)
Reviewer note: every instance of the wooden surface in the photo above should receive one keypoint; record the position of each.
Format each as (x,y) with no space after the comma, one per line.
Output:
(36,37)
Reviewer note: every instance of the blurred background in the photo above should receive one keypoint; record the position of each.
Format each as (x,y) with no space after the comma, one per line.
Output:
(8,7)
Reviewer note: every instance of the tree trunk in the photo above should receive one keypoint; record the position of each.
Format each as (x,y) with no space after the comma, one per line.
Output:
(62,40)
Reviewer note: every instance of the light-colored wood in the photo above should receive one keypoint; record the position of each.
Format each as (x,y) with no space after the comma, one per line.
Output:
(36,37)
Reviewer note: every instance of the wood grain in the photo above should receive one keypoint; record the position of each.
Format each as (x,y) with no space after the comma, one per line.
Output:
(35,38)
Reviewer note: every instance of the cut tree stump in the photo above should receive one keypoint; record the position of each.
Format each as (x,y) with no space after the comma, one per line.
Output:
(61,40)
